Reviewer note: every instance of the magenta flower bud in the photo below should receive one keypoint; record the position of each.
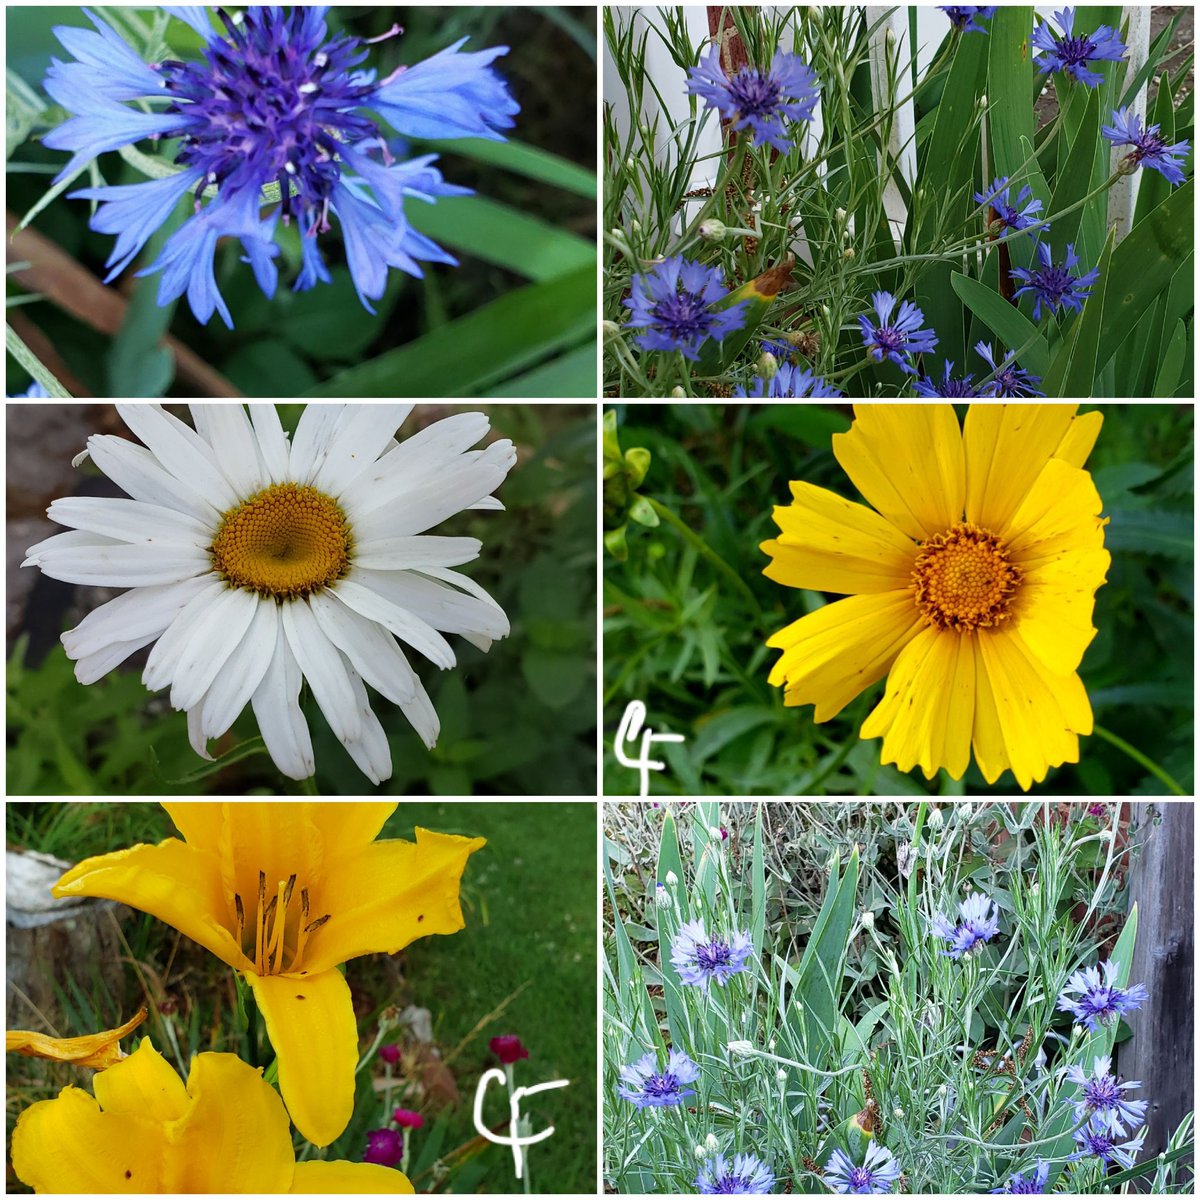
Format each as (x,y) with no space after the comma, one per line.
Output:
(407,1119)
(508,1048)
(390,1053)
(385,1148)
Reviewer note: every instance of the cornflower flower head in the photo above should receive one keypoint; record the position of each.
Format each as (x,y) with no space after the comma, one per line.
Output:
(757,100)
(1102,1099)
(1099,1001)
(744,1175)
(701,959)
(1008,380)
(1097,1139)
(1070,52)
(1055,287)
(273,100)
(35,391)
(646,1086)
(1008,213)
(788,381)
(675,302)
(978,924)
(899,339)
(1018,1185)
(875,1177)
(963,16)
(927,386)
(1149,149)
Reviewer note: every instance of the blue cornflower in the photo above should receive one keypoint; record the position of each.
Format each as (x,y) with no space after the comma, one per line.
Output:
(899,339)
(701,960)
(272,100)
(788,381)
(1100,1001)
(927,386)
(648,1087)
(674,303)
(746,1175)
(1018,1185)
(1008,213)
(1055,287)
(962,16)
(979,924)
(1071,53)
(35,391)
(1008,380)
(1102,1100)
(1097,1140)
(874,1178)
(761,102)
(1149,150)
(781,350)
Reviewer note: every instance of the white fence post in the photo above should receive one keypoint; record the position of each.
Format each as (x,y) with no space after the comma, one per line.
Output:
(1122,199)
(902,143)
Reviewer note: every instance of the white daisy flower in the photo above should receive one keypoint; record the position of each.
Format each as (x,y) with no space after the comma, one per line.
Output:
(254,564)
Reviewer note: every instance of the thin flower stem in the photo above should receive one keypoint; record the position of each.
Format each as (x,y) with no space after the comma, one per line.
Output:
(1139,758)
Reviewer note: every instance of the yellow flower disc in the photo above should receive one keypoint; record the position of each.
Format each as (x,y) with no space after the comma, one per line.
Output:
(964,579)
(286,541)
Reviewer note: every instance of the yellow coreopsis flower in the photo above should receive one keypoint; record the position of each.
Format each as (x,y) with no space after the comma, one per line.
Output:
(284,893)
(971,587)
(144,1131)
(95,1050)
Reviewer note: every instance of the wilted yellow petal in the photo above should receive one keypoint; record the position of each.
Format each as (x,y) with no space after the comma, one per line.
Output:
(349,1178)
(95,1050)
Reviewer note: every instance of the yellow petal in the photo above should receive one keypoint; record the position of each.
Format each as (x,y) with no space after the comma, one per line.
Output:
(1060,513)
(387,895)
(171,881)
(310,1021)
(142,1085)
(907,460)
(67,1145)
(836,652)
(1053,608)
(280,840)
(95,1050)
(347,826)
(1080,438)
(1007,445)
(363,1178)
(234,1136)
(199,821)
(830,544)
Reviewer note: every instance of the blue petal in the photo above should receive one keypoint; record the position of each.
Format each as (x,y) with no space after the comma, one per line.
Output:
(194,15)
(105,126)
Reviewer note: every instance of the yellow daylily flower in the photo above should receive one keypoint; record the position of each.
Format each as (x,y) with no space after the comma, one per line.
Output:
(145,1131)
(284,893)
(96,1050)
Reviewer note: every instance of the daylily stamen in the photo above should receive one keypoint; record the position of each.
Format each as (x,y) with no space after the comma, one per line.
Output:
(317,923)
(276,942)
(259,930)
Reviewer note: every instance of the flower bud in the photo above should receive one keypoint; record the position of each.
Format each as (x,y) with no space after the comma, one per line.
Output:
(672,879)
(767,365)
(848,254)
(660,895)
(711,1142)
(713,230)
(771,1045)
(677,393)
(610,330)
(840,216)
(700,1152)
(983,102)
(868,919)
(741,1047)
(935,818)
(781,1075)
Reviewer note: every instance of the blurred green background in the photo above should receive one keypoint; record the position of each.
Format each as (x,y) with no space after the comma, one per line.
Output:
(525,964)
(519,720)
(687,615)
(515,318)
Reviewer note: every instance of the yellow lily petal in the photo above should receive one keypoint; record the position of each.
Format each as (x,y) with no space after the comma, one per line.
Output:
(907,461)
(142,1085)
(199,821)
(279,840)
(310,1021)
(390,894)
(362,1178)
(171,881)
(348,826)
(830,544)
(95,1050)
(1080,438)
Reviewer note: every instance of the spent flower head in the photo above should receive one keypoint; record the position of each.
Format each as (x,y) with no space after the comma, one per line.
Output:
(1149,149)
(875,1177)
(645,1085)
(1070,52)
(702,959)
(899,339)
(1102,1097)
(1055,287)
(675,303)
(742,1175)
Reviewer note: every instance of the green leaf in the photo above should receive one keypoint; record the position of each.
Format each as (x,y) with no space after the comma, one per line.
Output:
(1167,379)
(1169,534)
(758,886)
(1009,84)
(666,924)
(1015,331)
(22,108)
(525,160)
(1081,352)
(554,678)
(33,364)
(570,374)
(329,322)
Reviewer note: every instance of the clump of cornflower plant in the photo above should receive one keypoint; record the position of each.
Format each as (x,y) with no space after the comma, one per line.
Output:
(875,1177)
(964,16)
(1055,287)
(701,959)
(1101,1099)
(1008,213)
(744,1175)
(646,1086)
(899,339)
(790,382)
(978,925)
(273,100)
(1070,52)
(928,386)
(758,101)
(1018,1185)
(674,303)
(1096,1001)
(1097,1140)
(1008,380)
(1149,149)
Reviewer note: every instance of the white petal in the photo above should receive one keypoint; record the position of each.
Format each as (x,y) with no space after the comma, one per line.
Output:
(272,441)
(370,749)
(226,428)
(160,666)
(91,667)
(413,553)
(488,504)
(237,681)
(120,565)
(324,669)
(483,635)
(76,539)
(372,651)
(139,474)
(196,734)
(408,627)
(361,433)
(422,716)
(437,604)
(130,520)
(311,443)
(214,638)
(143,612)
(181,450)
(277,709)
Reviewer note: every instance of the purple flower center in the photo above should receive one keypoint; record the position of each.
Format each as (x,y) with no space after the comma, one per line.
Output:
(1020,1186)
(960,387)
(861,1177)
(731,1185)
(1054,283)
(1149,145)
(889,340)
(664,1084)
(756,95)
(713,955)
(1075,51)
(683,315)
(1102,1093)
(1102,1002)
(1098,1143)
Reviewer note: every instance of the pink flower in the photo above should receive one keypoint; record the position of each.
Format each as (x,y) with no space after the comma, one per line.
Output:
(508,1048)
(390,1053)
(385,1148)
(407,1119)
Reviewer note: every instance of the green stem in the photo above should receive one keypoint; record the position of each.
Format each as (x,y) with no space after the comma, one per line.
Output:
(251,1027)
(1139,758)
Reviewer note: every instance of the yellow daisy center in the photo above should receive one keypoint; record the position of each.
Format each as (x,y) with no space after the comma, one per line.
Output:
(286,541)
(963,579)
(278,928)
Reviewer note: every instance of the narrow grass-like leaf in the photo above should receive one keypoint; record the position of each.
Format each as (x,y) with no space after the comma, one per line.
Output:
(1167,379)
(525,160)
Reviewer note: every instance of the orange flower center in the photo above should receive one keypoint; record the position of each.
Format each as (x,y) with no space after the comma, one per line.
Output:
(963,579)
(276,929)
